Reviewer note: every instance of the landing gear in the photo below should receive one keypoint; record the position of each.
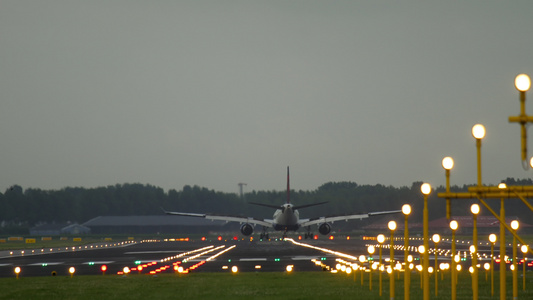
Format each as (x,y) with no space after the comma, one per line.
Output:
(264,234)
(309,234)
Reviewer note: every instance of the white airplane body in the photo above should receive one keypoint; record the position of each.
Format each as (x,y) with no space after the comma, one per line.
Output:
(285,218)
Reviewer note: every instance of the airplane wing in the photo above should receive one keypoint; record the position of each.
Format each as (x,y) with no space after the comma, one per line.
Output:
(222,218)
(332,219)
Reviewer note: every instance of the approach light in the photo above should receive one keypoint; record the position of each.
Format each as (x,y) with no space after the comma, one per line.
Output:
(392,225)
(478,131)
(436,238)
(522,82)
(447,163)
(486,266)
(454,224)
(234,269)
(381,238)
(406,209)
(492,238)
(425,188)
(514,224)
(474,209)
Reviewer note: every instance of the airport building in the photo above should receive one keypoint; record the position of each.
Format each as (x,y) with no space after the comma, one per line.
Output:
(59,229)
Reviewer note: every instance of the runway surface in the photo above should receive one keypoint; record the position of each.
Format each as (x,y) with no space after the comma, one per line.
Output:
(167,256)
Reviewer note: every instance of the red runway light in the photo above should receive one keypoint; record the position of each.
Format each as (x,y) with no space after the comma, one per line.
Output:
(103,268)
(219,238)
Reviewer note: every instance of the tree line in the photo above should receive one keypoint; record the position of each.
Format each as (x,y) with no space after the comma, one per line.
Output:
(21,209)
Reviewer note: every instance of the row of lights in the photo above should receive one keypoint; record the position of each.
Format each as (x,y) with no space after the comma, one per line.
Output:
(88,247)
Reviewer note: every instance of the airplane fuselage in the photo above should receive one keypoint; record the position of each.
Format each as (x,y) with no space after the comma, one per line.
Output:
(286,218)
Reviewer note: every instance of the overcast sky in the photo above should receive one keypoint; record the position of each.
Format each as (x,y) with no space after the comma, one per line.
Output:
(213,93)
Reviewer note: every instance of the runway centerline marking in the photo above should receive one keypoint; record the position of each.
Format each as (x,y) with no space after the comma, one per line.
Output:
(152,252)
(98,262)
(47,263)
(304,257)
(252,259)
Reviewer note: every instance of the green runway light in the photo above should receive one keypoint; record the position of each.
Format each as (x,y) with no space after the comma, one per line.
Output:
(276,259)
(44,265)
(137,262)
(91,263)
(322,258)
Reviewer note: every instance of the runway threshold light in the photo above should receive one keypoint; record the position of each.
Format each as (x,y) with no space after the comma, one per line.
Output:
(71,270)
(17,271)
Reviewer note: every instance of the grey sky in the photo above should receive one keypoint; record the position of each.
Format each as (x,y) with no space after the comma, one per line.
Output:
(214,93)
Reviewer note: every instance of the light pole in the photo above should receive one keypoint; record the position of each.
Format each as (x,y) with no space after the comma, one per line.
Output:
(492,239)
(392,227)
(514,226)
(524,250)
(522,84)
(475,211)
(421,250)
(381,240)
(406,210)
(426,190)
(371,251)
(478,131)
(447,164)
(436,240)
(453,226)
(362,259)
(503,266)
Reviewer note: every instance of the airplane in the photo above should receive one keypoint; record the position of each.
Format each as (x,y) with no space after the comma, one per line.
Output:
(286,218)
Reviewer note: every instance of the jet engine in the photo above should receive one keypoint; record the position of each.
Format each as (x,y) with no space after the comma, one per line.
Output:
(324,228)
(247,229)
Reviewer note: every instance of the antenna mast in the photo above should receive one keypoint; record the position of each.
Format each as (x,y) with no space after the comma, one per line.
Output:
(240,189)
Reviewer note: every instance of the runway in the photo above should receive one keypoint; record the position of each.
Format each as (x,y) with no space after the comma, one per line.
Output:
(248,256)
(153,257)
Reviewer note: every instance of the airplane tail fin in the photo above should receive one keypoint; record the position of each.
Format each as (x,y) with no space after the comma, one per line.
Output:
(288,187)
